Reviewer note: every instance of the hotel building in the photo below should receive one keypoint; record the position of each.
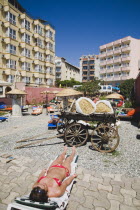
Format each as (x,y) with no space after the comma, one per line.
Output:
(27,47)
(89,67)
(65,70)
(119,60)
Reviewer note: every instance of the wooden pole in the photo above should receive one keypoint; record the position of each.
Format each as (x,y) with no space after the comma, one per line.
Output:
(39,141)
(31,137)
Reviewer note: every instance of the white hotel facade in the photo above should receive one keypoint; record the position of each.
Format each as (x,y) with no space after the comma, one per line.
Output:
(119,60)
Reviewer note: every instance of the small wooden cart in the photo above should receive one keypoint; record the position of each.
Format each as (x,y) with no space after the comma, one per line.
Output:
(104,135)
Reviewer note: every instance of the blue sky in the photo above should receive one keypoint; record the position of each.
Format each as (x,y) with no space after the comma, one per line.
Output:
(83,25)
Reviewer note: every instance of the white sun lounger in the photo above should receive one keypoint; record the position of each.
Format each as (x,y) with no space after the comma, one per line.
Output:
(24,203)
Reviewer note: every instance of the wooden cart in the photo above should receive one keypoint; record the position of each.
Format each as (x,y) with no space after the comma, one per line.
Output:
(78,128)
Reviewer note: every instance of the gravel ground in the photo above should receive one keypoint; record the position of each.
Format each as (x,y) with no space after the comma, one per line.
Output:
(125,160)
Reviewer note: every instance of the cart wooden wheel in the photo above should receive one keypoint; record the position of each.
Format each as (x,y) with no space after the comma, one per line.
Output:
(105,138)
(76,134)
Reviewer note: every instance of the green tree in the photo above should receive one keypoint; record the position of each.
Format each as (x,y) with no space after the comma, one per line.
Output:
(127,89)
(67,83)
(90,88)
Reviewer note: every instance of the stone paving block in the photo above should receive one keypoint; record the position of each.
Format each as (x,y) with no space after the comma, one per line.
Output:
(86,178)
(95,179)
(80,177)
(136,186)
(77,198)
(8,187)
(3,195)
(138,195)
(118,183)
(102,203)
(83,184)
(125,207)
(93,186)
(88,202)
(72,205)
(80,207)
(88,192)
(108,175)
(115,205)
(10,198)
(128,200)
(98,174)
(79,170)
(3,206)
(136,202)
(116,189)
(107,188)
(106,180)
(99,208)
(118,177)
(128,192)
(115,197)
(103,193)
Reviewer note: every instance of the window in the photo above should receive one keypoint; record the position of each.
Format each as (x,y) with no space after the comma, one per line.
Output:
(11,64)
(38,29)
(91,67)
(26,38)
(85,62)
(39,42)
(10,78)
(49,34)
(38,68)
(38,80)
(91,61)
(26,52)
(49,58)
(39,55)
(11,49)
(11,33)
(11,18)
(85,67)
(49,46)
(26,24)
(26,80)
(26,66)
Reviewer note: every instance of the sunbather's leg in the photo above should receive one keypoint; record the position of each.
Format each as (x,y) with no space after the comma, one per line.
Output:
(67,162)
(60,158)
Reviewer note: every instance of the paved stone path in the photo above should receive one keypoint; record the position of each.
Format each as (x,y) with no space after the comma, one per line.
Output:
(92,190)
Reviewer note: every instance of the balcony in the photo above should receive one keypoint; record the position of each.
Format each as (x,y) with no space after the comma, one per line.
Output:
(102,63)
(109,45)
(109,78)
(125,77)
(126,48)
(102,47)
(127,58)
(102,55)
(117,51)
(110,52)
(127,68)
(36,74)
(103,71)
(110,70)
(23,73)
(8,72)
(23,16)
(109,61)
(126,39)
(118,42)
(117,69)
(117,60)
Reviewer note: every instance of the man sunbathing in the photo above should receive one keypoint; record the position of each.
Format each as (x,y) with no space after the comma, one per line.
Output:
(50,182)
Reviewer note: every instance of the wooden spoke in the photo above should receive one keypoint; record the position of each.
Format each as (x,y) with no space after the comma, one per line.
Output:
(105,138)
